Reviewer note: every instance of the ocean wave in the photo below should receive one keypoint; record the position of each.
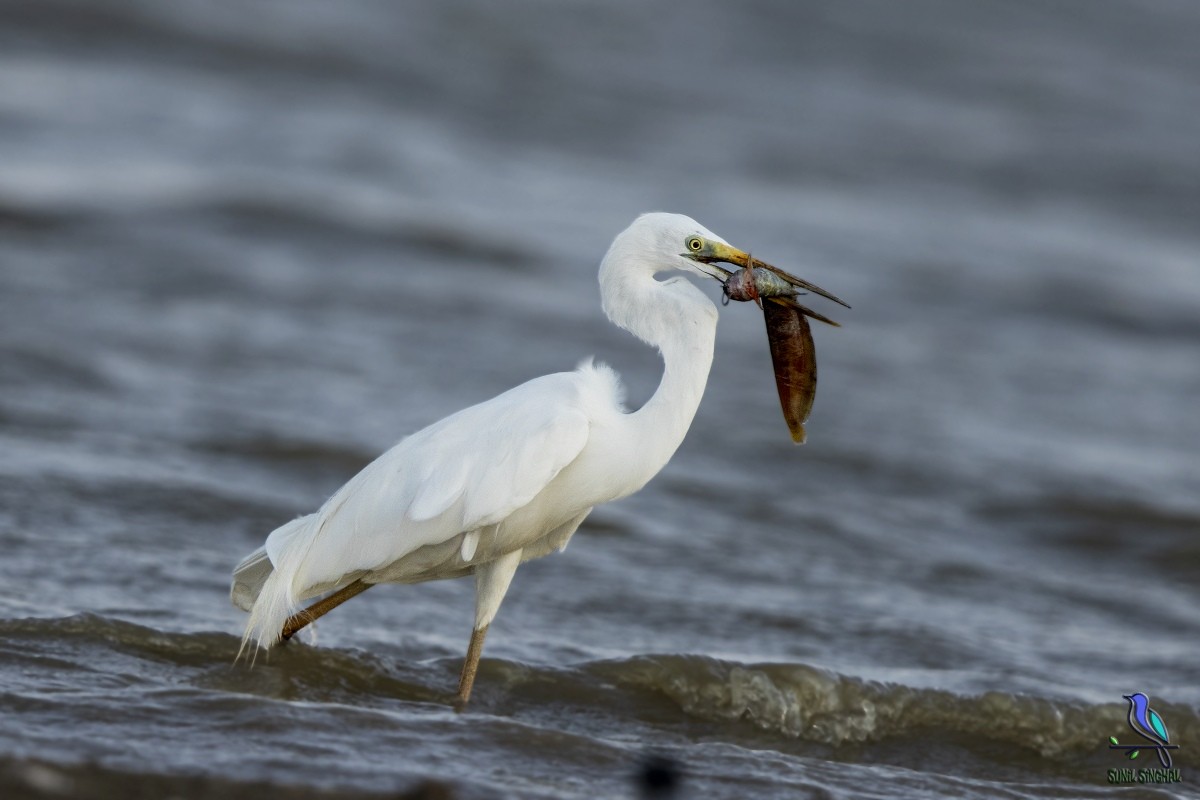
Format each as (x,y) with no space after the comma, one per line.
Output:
(291,451)
(804,702)
(793,701)
(356,217)
(18,216)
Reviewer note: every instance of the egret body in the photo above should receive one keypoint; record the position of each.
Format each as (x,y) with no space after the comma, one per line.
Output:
(512,478)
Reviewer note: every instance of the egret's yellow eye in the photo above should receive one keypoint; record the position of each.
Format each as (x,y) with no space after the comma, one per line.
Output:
(695,244)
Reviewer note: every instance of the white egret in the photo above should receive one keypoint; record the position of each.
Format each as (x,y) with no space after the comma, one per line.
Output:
(512,478)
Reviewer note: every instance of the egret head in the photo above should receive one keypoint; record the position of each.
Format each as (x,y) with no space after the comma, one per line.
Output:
(660,242)
(675,241)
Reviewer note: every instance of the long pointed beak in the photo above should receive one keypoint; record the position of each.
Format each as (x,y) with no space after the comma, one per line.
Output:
(715,251)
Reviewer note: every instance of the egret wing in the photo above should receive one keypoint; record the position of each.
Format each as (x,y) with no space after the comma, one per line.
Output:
(468,471)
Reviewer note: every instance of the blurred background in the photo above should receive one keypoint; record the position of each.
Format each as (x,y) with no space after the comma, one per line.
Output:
(244,249)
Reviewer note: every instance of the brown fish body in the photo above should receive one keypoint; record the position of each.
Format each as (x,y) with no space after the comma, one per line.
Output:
(789,335)
(795,359)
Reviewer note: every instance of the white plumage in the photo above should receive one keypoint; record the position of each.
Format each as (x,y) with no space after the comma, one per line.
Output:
(511,478)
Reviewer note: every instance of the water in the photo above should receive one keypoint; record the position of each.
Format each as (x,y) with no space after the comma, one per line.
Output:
(243,253)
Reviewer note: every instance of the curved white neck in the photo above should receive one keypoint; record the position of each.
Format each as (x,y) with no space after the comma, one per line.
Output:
(675,317)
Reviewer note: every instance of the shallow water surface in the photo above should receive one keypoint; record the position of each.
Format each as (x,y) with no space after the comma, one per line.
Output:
(242,254)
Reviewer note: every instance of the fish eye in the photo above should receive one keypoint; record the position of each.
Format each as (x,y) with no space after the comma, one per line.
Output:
(695,244)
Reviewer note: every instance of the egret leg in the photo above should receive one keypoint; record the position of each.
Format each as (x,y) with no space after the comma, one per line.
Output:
(466,680)
(321,608)
(491,582)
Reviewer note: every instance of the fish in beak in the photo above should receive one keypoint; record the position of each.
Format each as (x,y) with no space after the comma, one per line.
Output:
(793,353)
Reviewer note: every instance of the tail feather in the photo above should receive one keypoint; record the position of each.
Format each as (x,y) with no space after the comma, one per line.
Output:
(263,585)
(271,610)
(249,577)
